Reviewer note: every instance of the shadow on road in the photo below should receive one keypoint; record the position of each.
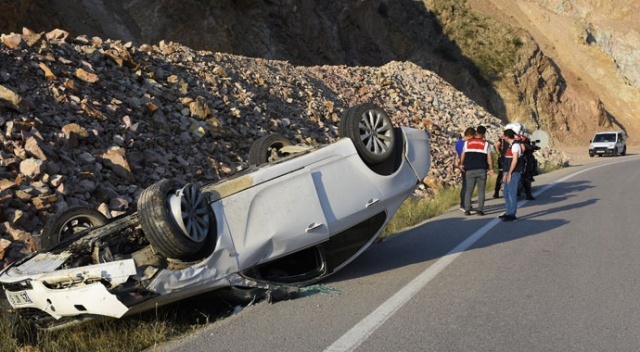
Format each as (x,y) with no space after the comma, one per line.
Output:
(437,237)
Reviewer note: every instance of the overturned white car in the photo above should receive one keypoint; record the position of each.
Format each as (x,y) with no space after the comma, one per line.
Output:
(297,216)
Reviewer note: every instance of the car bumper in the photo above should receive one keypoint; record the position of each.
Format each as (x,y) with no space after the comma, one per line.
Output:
(601,151)
(68,292)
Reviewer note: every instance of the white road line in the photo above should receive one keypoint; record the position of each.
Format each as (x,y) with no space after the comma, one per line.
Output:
(361,331)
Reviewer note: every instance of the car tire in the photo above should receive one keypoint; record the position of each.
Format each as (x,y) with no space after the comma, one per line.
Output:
(371,131)
(624,151)
(176,220)
(69,222)
(267,149)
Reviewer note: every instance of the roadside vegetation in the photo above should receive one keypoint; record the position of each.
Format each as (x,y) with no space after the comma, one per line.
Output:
(135,333)
(145,331)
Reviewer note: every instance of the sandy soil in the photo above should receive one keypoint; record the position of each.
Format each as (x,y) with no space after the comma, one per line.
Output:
(586,69)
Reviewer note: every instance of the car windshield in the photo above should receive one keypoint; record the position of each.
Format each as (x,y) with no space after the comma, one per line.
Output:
(606,137)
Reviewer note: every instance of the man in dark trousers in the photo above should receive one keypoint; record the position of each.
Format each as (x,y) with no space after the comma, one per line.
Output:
(501,148)
(529,164)
(476,160)
(470,132)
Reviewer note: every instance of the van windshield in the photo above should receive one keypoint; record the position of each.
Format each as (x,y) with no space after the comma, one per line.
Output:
(604,137)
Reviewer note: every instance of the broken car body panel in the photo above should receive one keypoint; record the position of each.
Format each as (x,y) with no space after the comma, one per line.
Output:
(68,292)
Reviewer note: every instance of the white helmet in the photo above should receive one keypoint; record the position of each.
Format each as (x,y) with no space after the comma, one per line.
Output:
(514,126)
(523,129)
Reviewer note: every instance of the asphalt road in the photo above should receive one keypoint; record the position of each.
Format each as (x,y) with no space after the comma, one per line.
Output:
(564,277)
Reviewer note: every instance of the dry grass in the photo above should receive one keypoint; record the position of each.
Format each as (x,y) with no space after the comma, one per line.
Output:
(135,333)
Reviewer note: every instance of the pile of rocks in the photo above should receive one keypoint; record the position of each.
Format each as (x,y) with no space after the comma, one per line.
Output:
(86,121)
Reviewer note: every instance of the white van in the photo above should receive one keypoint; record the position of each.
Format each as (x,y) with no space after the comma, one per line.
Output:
(608,143)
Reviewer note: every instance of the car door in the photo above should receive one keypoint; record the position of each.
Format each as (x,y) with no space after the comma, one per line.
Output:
(619,143)
(346,194)
(275,218)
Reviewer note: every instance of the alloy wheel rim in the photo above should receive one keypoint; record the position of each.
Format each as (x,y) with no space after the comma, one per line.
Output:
(190,209)
(375,132)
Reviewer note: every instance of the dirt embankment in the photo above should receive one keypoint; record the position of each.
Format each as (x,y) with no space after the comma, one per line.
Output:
(596,47)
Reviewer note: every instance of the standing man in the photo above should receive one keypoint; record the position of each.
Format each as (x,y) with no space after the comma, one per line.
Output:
(512,169)
(529,163)
(501,148)
(468,133)
(476,160)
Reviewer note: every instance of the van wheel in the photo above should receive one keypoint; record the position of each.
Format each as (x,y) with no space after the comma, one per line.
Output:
(624,151)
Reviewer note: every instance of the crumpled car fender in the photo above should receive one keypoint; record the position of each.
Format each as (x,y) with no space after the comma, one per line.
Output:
(91,297)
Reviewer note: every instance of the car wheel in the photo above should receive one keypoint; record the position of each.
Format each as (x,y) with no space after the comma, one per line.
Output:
(267,149)
(624,151)
(69,222)
(371,130)
(175,219)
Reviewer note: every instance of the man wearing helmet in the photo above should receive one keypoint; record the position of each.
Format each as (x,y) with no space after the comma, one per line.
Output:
(501,148)
(527,154)
(529,162)
(513,166)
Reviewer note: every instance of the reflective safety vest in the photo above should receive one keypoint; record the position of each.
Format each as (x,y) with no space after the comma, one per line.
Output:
(508,159)
(476,151)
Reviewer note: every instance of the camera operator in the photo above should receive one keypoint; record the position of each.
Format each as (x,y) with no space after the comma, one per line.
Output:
(530,163)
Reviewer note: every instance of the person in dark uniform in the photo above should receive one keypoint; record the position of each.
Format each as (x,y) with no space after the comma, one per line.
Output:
(530,163)
(468,133)
(476,163)
(501,148)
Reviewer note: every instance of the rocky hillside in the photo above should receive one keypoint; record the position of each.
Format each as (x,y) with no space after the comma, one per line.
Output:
(523,84)
(93,122)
